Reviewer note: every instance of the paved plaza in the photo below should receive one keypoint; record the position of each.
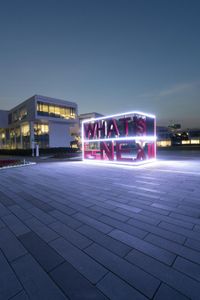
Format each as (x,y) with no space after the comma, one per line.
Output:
(73,230)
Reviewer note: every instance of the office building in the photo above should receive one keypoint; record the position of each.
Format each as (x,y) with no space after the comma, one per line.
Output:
(38,120)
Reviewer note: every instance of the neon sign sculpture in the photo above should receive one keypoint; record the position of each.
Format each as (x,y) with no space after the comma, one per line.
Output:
(128,138)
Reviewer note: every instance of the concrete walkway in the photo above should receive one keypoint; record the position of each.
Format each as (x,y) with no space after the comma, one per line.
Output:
(70,230)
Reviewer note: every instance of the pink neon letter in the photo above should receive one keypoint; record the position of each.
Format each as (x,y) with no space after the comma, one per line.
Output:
(112,127)
(108,149)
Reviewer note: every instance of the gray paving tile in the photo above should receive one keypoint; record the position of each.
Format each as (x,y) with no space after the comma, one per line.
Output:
(87,266)
(143,246)
(117,289)
(10,285)
(197,228)
(138,216)
(36,282)
(21,213)
(71,235)
(185,232)
(41,216)
(104,240)
(68,220)
(74,285)
(5,200)
(125,206)
(189,211)
(2,224)
(85,210)
(193,220)
(174,248)
(167,293)
(110,213)
(42,230)
(47,257)
(181,209)
(36,202)
(183,284)
(63,208)
(158,218)
(3,210)
(124,227)
(92,222)
(145,195)
(193,244)
(173,236)
(150,208)
(10,245)
(20,296)
(133,275)
(169,218)
(187,267)
(15,225)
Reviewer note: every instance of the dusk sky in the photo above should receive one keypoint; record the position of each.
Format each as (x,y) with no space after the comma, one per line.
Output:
(107,56)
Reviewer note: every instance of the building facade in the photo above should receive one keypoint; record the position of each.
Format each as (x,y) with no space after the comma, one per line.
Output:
(164,136)
(38,120)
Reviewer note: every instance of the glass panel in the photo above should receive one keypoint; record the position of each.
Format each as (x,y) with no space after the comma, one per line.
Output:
(25,130)
(67,113)
(41,134)
(62,112)
(45,109)
(15,116)
(40,129)
(10,118)
(57,111)
(52,111)
(22,113)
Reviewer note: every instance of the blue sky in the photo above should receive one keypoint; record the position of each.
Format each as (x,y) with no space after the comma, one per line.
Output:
(108,56)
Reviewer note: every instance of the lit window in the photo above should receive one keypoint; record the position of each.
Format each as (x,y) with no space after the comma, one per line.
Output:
(49,110)
(63,112)
(25,130)
(166,143)
(185,142)
(45,108)
(41,129)
(195,141)
(57,110)
(3,136)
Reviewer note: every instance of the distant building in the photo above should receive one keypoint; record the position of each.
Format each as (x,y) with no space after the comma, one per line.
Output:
(163,136)
(38,120)
(89,116)
(175,126)
(193,137)
(171,136)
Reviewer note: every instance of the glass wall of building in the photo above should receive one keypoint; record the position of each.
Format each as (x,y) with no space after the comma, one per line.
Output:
(3,138)
(25,132)
(55,111)
(17,115)
(41,135)
(15,140)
